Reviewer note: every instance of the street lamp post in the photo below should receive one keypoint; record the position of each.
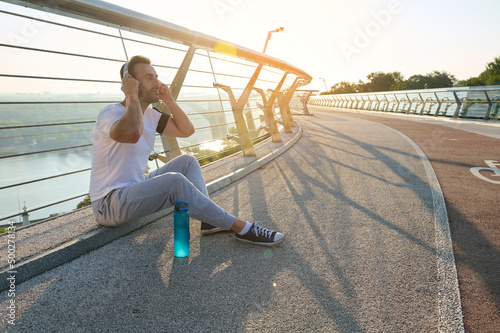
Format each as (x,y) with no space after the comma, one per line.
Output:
(326,89)
(269,36)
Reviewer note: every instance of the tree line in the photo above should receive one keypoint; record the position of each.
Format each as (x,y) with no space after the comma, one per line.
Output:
(380,81)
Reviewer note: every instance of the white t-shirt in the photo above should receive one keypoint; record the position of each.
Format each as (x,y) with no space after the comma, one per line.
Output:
(114,164)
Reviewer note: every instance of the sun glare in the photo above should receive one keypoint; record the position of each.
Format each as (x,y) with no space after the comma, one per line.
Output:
(216,146)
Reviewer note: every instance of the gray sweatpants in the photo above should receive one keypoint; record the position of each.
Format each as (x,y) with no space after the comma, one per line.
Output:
(179,179)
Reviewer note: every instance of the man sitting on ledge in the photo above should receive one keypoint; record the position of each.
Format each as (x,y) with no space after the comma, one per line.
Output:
(123,138)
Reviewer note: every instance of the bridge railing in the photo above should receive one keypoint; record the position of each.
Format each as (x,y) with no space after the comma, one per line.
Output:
(60,66)
(464,102)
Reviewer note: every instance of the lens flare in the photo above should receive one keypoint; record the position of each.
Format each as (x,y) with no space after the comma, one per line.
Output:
(225,48)
(268,253)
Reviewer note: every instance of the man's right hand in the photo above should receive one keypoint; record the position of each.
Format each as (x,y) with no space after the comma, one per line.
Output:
(130,86)
(130,126)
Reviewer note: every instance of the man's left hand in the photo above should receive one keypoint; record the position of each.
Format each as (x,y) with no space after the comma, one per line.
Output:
(165,94)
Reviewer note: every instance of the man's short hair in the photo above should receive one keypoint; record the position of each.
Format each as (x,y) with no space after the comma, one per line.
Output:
(138,59)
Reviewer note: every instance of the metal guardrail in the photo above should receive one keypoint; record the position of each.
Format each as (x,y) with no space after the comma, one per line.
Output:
(73,50)
(469,102)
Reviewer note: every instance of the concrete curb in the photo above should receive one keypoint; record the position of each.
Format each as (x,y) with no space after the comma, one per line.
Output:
(73,249)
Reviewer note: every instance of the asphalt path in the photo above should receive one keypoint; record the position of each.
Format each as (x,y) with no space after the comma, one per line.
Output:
(464,155)
(366,251)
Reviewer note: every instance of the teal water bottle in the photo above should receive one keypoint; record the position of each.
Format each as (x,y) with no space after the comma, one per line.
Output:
(181,229)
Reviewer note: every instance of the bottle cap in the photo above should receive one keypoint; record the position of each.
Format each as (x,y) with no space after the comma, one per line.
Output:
(181,206)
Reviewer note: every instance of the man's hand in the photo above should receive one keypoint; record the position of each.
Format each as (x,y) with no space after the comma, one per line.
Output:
(130,86)
(179,124)
(165,94)
(130,126)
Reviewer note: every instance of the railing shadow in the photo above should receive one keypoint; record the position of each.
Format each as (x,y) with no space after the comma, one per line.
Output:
(338,313)
(476,252)
(404,173)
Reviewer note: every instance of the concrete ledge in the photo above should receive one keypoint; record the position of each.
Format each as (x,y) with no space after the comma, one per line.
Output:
(42,262)
(68,251)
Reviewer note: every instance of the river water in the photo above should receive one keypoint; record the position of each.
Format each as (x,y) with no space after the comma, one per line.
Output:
(21,169)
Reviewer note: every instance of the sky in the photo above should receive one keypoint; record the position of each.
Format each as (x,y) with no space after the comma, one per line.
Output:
(332,40)
(341,40)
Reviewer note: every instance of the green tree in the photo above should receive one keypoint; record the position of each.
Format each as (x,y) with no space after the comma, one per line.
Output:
(491,76)
(441,80)
(417,81)
(471,82)
(435,79)
(380,81)
(84,203)
(344,87)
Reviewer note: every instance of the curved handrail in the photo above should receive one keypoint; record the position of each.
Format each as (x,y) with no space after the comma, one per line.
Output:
(463,103)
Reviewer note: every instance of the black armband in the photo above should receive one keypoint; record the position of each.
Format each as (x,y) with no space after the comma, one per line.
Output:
(162,123)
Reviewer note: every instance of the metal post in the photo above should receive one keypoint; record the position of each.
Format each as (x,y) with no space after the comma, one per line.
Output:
(326,88)
(387,103)
(269,111)
(397,106)
(262,94)
(238,106)
(170,144)
(263,106)
(490,105)
(248,89)
(304,101)
(495,100)
(409,107)
(245,139)
(282,110)
(459,105)
(378,104)
(269,37)
(439,105)
(423,105)
(286,114)
(267,41)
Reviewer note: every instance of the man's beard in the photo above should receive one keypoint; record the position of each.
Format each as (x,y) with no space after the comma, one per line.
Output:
(149,97)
